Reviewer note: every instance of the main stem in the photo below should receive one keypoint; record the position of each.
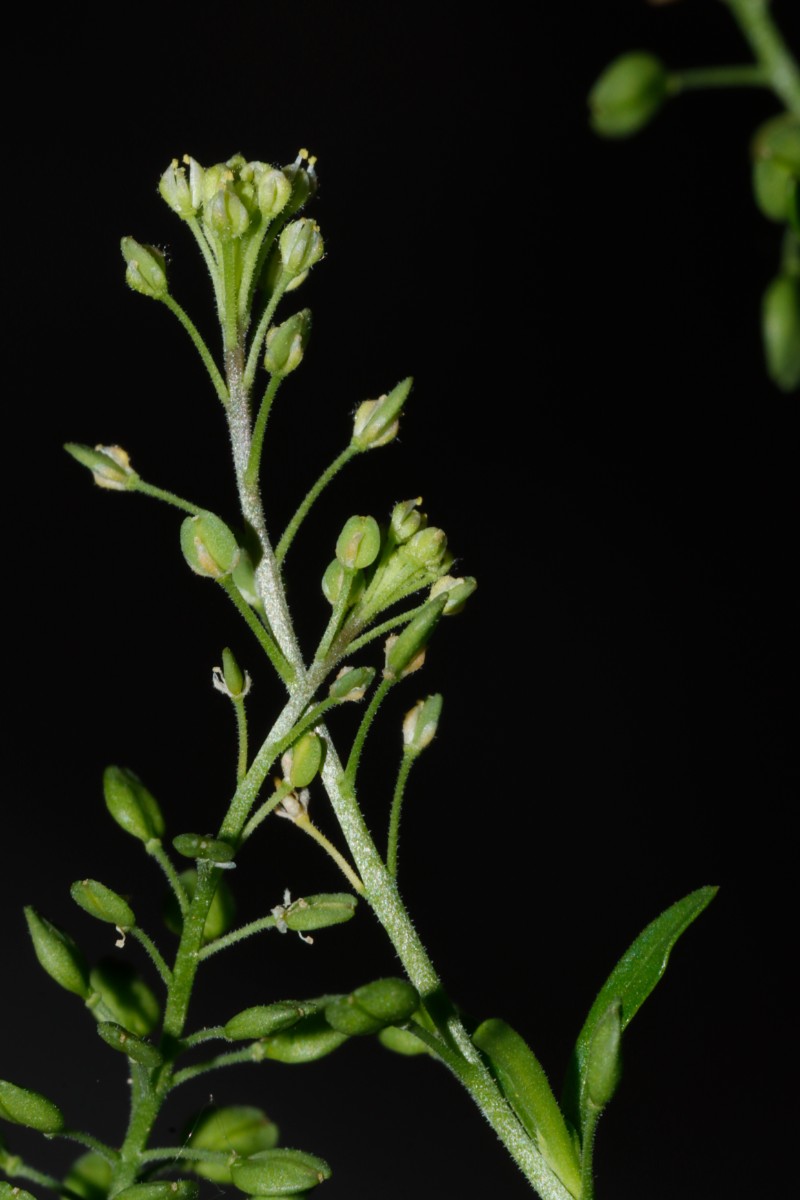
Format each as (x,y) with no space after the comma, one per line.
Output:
(770,49)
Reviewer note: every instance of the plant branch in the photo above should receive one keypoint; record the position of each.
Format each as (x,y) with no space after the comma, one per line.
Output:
(771,51)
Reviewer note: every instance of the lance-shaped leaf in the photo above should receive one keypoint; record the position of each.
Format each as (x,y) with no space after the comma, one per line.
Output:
(629,985)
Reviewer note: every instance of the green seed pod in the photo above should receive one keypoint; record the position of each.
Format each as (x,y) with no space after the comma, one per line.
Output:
(279,1173)
(245,579)
(458,591)
(319,912)
(628,94)
(266,1019)
(146,271)
(175,189)
(405,653)
(30,1109)
(776,165)
(377,421)
(603,1063)
(525,1087)
(121,995)
(286,344)
(300,246)
(110,465)
(208,546)
(406,519)
(195,845)
(174,1189)
(220,915)
(58,955)
(773,183)
(359,543)
(305,759)
(373,1006)
(12,1191)
(232,673)
(131,805)
(780,316)
(420,725)
(89,1177)
(118,1038)
(99,901)
(351,683)
(239,1131)
(400,1041)
(305,1041)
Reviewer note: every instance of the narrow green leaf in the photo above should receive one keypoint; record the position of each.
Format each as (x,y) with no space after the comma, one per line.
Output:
(630,983)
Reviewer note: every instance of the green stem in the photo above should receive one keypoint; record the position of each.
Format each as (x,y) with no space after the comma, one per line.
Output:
(401,619)
(157,493)
(377,700)
(261,332)
(305,823)
(406,764)
(107,1153)
(213,1064)
(261,814)
(696,79)
(335,621)
(311,496)
(15,1168)
(187,958)
(157,851)
(238,935)
(211,262)
(230,325)
(185,1154)
(587,1155)
(267,644)
(200,346)
(154,953)
(145,1105)
(241,737)
(770,49)
(257,445)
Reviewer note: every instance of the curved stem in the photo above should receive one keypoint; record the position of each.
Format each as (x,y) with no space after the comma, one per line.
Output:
(213,1064)
(377,700)
(312,495)
(154,953)
(305,823)
(700,78)
(91,1143)
(237,935)
(265,641)
(202,349)
(261,331)
(397,805)
(157,493)
(241,737)
(14,1168)
(157,851)
(771,51)
(257,445)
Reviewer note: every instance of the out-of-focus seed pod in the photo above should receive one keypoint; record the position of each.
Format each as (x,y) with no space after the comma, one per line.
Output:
(307,1040)
(239,1131)
(196,845)
(89,1177)
(781,331)
(220,915)
(373,1006)
(628,94)
(124,997)
(119,1038)
(173,1189)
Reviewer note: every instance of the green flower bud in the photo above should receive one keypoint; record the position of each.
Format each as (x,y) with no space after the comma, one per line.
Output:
(279,1173)
(628,94)
(10,1191)
(195,845)
(263,1020)
(22,1107)
(773,183)
(99,901)
(226,215)
(174,1189)
(196,181)
(603,1063)
(239,1131)
(235,680)
(300,246)
(401,1041)
(208,546)
(286,343)
(120,995)
(303,762)
(110,465)
(273,190)
(176,190)
(351,683)
(780,316)
(118,1038)
(337,578)
(420,725)
(373,1006)
(306,1040)
(407,519)
(131,805)
(58,955)
(146,271)
(302,178)
(245,579)
(89,1177)
(359,543)
(427,548)
(319,912)
(405,652)
(220,915)
(377,421)
(776,166)
(457,591)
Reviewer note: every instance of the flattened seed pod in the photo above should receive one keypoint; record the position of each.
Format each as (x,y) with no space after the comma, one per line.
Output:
(280,1173)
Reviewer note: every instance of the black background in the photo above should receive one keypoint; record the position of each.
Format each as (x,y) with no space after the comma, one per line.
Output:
(590,424)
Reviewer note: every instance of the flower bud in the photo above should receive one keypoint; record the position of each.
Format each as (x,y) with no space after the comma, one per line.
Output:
(110,465)
(776,165)
(195,845)
(176,190)
(146,271)
(320,912)
(401,1041)
(405,653)
(273,190)
(196,181)
(603,1062)
(372,1007)
(457,591)
(337,578)
(351,683)
(239,1131)
(266,1019)
(220,914)
(303,762)
(89,1178)
(359,543)
(226,215)
(780,315)
(121,1039)
(302,178)
(427,548)
(208,546)
(99,901)
(407,519)
(279,1173)
(121,995)
(307,1040)
(628,94)
(131,805)
(300,246)
(58,955)
(286,344)
(377,421)
(420,725)
(235,680)
(245,579)
(30,1109)
(173,1189)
